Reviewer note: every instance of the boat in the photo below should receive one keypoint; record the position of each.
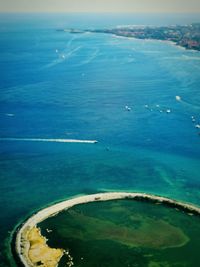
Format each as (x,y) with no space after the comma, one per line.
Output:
(127,108)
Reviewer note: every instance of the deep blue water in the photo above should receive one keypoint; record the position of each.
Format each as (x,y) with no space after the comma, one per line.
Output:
(61,85)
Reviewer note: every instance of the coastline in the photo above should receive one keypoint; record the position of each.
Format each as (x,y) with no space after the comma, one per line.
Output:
(172,43)
(165,35)
(22,244)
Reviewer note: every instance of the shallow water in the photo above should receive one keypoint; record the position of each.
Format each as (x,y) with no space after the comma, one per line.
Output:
(60,85)
(125,231)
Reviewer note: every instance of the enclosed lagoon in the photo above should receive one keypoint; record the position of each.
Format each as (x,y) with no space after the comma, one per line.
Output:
(124,232)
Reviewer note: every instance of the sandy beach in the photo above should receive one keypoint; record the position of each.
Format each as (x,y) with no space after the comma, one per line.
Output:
(22,242)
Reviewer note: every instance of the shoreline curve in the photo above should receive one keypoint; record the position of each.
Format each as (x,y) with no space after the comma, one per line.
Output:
(21,242)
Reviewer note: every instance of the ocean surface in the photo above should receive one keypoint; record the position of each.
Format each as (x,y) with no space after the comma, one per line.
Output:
(56,85)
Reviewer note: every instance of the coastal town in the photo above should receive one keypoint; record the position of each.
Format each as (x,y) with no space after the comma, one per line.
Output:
(187,36)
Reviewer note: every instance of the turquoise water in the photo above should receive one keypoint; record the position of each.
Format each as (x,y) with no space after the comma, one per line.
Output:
(80,92)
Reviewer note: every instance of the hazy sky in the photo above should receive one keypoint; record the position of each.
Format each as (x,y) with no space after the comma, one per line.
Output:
(100,6)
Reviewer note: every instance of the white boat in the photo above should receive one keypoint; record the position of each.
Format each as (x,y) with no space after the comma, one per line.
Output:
(127,108)
(178,98)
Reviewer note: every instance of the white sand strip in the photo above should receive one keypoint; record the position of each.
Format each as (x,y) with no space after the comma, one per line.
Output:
(49,140)
(22,244)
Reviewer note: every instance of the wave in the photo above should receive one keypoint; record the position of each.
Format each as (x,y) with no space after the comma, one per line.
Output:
(56,140)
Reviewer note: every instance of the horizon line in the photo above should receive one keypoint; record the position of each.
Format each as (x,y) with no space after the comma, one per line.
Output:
(98,12)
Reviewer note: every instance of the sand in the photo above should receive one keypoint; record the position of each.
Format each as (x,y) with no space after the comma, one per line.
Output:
(39,252)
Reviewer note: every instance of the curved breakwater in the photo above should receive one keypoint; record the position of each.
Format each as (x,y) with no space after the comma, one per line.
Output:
(56,140)
(22,244)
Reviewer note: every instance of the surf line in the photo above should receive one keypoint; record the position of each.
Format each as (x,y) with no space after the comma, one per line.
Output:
(56,140)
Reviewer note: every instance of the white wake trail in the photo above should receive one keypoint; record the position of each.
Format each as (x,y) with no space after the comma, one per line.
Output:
(189,105)
(62,58)
(91,58)
(56,140)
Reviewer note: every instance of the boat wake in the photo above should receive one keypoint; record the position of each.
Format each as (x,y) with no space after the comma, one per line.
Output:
(90,59)
(56,140)
(63,57)
(189,105)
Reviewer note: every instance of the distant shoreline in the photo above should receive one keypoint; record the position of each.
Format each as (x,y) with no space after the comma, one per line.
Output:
(21,242)
(185,36)
(174,43)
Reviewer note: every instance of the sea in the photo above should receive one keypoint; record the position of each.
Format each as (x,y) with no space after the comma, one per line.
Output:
(61,85)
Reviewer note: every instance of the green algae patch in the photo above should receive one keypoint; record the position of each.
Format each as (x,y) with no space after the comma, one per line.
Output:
(150,233)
